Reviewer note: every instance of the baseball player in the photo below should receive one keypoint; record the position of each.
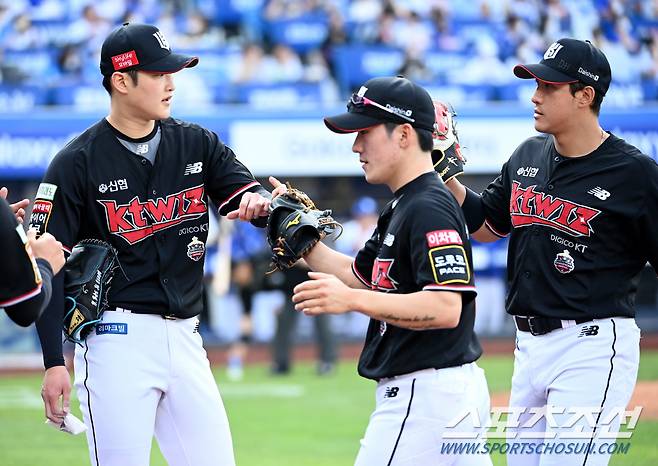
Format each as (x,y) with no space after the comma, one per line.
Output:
(28,265)
(142,181)
(413,278)
(580,207)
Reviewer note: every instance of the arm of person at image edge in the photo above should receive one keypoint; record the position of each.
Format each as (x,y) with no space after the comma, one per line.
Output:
(28,267)
(335,288)
(487,214)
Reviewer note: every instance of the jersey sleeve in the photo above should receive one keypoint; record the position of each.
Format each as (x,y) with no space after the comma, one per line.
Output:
(439,249)
(495,200)
(59,202)
(20,279)
(646,226)
(364,260)
(227,179)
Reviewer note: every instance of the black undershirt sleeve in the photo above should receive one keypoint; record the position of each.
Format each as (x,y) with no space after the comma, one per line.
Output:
(49,326)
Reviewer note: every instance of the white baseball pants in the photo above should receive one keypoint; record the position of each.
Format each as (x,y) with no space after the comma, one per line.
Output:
(582,369)
(138,375)
(412,414)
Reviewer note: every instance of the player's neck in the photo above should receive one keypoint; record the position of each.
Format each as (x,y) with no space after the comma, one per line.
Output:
(580,139)
(134,128)
(413,166)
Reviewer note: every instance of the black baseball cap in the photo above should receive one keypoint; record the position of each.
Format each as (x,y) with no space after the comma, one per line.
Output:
(141,47)
(569,61)
(380,100)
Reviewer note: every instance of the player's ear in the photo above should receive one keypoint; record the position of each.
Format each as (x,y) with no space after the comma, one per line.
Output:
(120,82)
(405,136)
(586,96)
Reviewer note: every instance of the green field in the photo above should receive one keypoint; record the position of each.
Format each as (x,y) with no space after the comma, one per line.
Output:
(299,420)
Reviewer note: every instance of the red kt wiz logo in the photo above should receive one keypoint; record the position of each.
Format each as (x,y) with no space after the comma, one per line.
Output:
(137,220)
(530,207)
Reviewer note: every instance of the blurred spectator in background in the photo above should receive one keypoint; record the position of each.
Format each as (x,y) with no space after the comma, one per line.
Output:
(287,322)
(249,261)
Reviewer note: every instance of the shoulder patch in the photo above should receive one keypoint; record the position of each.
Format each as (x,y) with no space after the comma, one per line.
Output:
(449,265)
(438,238)
(46,191)
(40,215)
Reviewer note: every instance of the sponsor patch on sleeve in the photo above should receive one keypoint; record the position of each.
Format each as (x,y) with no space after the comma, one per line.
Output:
(46,191)
(438,238)
(449,265)
(40,215)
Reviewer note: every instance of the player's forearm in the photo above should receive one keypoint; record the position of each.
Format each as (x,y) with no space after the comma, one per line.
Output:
(422,310)
(324,259)
(457,189)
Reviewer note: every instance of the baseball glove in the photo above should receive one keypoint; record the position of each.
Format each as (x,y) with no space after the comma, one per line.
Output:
(88,273)
(446,155)
(294,226)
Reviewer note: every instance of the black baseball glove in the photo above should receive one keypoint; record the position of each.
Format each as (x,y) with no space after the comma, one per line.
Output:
(88,273)
(294,226)
(446,154)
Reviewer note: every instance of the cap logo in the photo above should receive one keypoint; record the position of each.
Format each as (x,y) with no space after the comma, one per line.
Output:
(161,40)
(124,60)
(589,74)
(553,50)
(398,110)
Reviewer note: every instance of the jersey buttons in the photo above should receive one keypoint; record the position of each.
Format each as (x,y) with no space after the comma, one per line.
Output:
(143,161)
(550,187)
(527,274)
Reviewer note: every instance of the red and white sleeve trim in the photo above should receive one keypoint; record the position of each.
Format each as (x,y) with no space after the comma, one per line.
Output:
(360,277)
(449,287)
(493,230)
(237,193)
(21,298)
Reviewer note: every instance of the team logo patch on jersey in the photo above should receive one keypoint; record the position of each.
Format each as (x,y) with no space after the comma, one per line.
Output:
(438,238)
(381,275)
(531,207)
(449,265)
(563,262)
(46,191)
(130,221)
(195,249)
(40,215)
(114,328)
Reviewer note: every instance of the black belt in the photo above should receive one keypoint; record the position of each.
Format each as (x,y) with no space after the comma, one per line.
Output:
(544,325)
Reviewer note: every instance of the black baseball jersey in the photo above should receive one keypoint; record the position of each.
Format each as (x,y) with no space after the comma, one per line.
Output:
(20,279)
(420,243)
(582,229)
(156,216)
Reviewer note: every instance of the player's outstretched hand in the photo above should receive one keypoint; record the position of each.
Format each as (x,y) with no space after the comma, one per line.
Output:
(18,208)
(48,248)
(253,205)
(56,392)
(323,294)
